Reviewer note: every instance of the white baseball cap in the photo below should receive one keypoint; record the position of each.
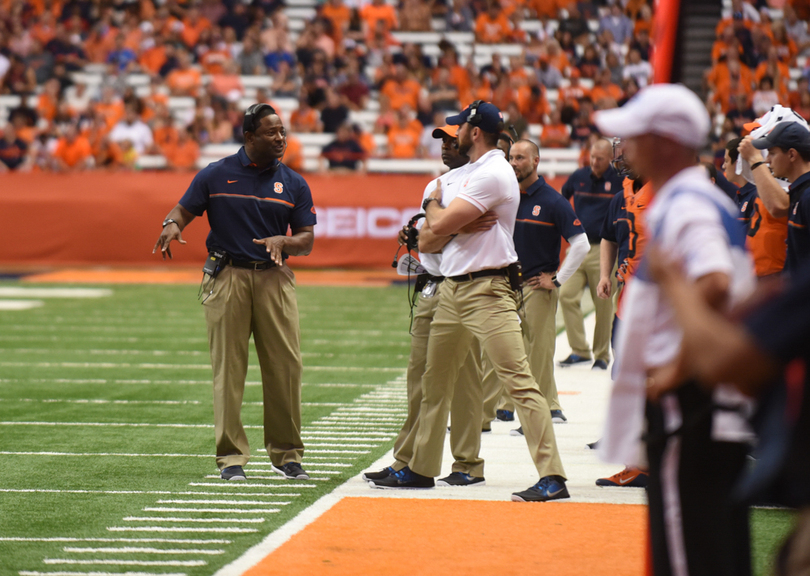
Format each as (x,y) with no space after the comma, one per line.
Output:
(669,110)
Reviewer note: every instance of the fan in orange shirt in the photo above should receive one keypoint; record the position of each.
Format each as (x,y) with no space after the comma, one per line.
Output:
(555,133)
(110,106)
(367,141)
(184,154)
(294,154)
(49,100)
(605,89)
(339,15)
(402,90)
(193,25)
(164,135)
(73,152)
(570,95)
(184,80)
(403,139)
(378,11)
(152,59)
(305,118)
(546,8)
(492,26)
(532,102)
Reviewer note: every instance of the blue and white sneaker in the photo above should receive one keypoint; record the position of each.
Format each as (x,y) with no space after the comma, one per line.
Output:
(548,488)
(233,473)
(384,473)
(461,479)
(505,415)
(405,479)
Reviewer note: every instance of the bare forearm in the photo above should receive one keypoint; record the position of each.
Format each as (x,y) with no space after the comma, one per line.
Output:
(776,201)
(300,243)
(180,215)
(431,243)
(608,252)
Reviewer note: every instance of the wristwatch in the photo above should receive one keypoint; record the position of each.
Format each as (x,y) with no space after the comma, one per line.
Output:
(168,221)
(554,281)
(428,200)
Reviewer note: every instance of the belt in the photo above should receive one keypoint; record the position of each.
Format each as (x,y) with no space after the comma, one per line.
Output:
(254,265)
(480,274)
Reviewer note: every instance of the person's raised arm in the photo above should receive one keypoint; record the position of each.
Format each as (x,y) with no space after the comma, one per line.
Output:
(173,230)
(775,199)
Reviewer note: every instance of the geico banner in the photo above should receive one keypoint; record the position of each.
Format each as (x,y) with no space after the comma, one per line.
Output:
(378,222)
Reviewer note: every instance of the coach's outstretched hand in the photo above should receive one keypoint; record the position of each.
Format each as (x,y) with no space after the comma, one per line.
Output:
(170,232)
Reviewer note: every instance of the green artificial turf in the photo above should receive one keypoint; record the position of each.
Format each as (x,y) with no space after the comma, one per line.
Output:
(140,356)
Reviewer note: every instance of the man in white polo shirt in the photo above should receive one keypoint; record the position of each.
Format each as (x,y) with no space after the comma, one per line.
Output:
(695,438)
(478,303)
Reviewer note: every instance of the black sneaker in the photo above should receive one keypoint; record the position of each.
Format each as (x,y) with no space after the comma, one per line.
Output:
(461,479)
(505,415)
(291,471)
(593,445)
(516,432)
(548,488)
(599,365)
(405,479)
(384,473)
(558,417)
(233,473)
(573,360)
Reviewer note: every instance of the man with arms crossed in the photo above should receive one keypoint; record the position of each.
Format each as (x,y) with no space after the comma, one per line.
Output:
(468,468)
(252,199)
(478,303)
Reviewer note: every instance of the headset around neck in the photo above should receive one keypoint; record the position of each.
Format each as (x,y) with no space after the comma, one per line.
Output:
(249,123)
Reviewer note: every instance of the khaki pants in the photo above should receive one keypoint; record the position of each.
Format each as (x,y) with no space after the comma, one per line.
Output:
(262,303)
(483,309)
(540,338)
(465,440)
(571,304)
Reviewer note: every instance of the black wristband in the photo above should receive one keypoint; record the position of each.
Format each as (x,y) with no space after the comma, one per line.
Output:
(555,281)
(428,200)
(170,221)
(756,165)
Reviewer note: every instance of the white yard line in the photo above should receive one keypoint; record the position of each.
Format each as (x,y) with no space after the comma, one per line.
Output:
(188,563)
(195,520)
(62,573)
(214,510)
(139,550)
(180,529)
(20,292)
(122,540)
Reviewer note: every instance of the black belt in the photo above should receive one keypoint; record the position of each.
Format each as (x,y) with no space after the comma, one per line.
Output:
(254,265)
(480,274)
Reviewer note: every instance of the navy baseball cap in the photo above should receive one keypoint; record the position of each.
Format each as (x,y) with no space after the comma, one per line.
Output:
(785,135)
(485,116)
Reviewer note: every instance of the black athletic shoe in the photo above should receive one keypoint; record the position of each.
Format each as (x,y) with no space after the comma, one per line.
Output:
(460,479)
(405,479)
(593,445)
(291,471)
(572,360)
(548,488)
(384,473)
(599,365)
(505,415)
(557,417)
(233,473)
(516,432)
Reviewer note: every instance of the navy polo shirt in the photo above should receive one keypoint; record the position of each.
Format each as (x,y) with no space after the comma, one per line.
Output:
(244,202)
(592,197)
(745,200)
(615,227)
(798,238)
(543,218)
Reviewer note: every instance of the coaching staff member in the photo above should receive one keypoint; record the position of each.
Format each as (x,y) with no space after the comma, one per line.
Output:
(252,199)
(592,189)
(477,302)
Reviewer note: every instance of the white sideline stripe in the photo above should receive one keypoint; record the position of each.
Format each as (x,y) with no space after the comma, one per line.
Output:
(328,464)
(327,445)
(200,520)
(126,562)
(150,365)
(103,351)
(124,454)
(160,492)
(239,502)
(338,451)
(276,477)
(16,292)
(179,529)
(113,424)
(113,540)
(20,304)
(61,573)
(213,510)
(244,485)
(99,401)
(138,550)
(349,439)
(309,471)
(160,382)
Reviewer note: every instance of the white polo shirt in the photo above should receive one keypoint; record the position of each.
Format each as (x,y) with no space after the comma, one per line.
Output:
(488,184)
(450,181)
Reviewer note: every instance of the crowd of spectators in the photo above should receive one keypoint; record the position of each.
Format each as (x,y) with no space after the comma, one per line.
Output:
(344,57)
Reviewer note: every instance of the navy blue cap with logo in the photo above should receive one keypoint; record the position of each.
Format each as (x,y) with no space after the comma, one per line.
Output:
(480,114)
(785,135)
